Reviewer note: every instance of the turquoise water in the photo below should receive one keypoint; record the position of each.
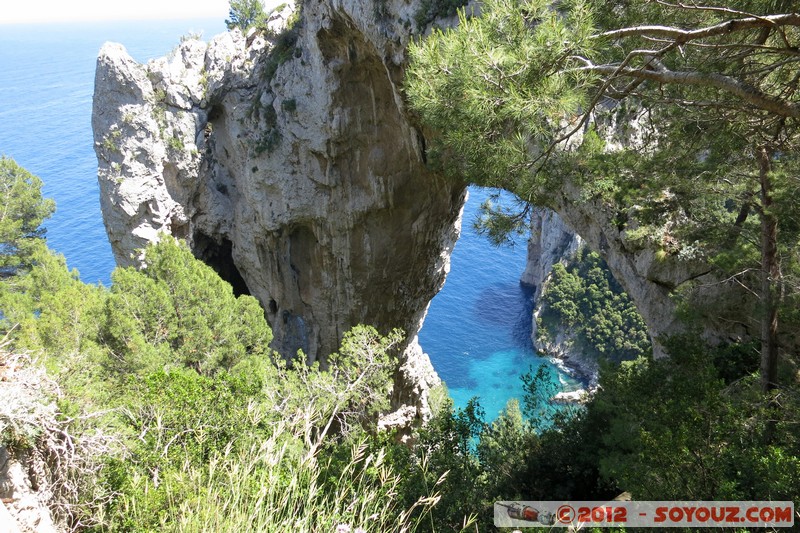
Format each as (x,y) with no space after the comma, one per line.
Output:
(478,328)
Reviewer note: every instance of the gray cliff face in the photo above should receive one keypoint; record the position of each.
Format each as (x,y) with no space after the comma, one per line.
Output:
(641,274)
(551,241)
(297,174)
(649,279)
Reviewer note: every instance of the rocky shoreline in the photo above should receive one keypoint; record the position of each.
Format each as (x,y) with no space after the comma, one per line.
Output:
(582,370)
(564,354)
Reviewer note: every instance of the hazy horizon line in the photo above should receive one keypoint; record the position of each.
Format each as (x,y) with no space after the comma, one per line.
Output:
(145,18)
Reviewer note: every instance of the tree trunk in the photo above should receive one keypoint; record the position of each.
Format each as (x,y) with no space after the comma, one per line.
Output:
(770,276)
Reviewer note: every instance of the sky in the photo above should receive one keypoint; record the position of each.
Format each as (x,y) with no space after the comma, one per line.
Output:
(47,11)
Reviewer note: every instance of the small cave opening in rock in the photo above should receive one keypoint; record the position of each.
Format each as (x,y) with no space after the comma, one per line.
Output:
(219,256)
(214,113)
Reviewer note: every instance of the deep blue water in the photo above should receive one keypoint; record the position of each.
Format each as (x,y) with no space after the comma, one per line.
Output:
(478,328)
(46,85)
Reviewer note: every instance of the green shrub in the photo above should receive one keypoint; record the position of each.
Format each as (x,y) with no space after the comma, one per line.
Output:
(667,418)
(23,211)
(244,14)
(178,311)
(290,105)
(175,143)
(261,447)
(584,298)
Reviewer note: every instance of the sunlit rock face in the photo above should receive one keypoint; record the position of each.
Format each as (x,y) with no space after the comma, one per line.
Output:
(290,164)
(649,279)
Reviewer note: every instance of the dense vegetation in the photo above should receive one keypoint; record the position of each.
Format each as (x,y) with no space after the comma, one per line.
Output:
(21,214)
(583,301)
(248,14)
(180,419)
(680,121)
(172,414)
(245,14)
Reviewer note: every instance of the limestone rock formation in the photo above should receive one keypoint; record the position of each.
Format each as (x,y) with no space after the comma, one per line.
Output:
(649,278)
(551,240)
(27,407)
(290,164)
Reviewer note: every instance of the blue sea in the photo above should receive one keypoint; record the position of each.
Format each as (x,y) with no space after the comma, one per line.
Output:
(46,85)
(478,328)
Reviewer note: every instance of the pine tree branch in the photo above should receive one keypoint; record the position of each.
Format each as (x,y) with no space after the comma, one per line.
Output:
(712,9)
(681,36)
(728,84)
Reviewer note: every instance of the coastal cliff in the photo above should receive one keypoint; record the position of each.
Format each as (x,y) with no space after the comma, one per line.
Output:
(649,280)
(551,241)
(289,163)
(650,277)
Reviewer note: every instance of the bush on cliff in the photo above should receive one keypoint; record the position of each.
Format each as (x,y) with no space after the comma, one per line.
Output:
(244,14)
(22,211)
(584,299)
(203,427)
(177,311)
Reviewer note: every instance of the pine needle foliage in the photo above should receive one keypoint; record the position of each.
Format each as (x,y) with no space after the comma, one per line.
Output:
(680,120)
(22,211)
(496,93)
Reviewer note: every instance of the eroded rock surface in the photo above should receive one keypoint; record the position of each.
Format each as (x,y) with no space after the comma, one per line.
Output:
(551,241)
(650,278)
(290,165)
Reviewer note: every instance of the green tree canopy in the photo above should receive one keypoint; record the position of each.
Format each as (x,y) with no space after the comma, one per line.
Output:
(681,118)
(177,310)
(586,300)
(512,90)
(244,14)
(22,211)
